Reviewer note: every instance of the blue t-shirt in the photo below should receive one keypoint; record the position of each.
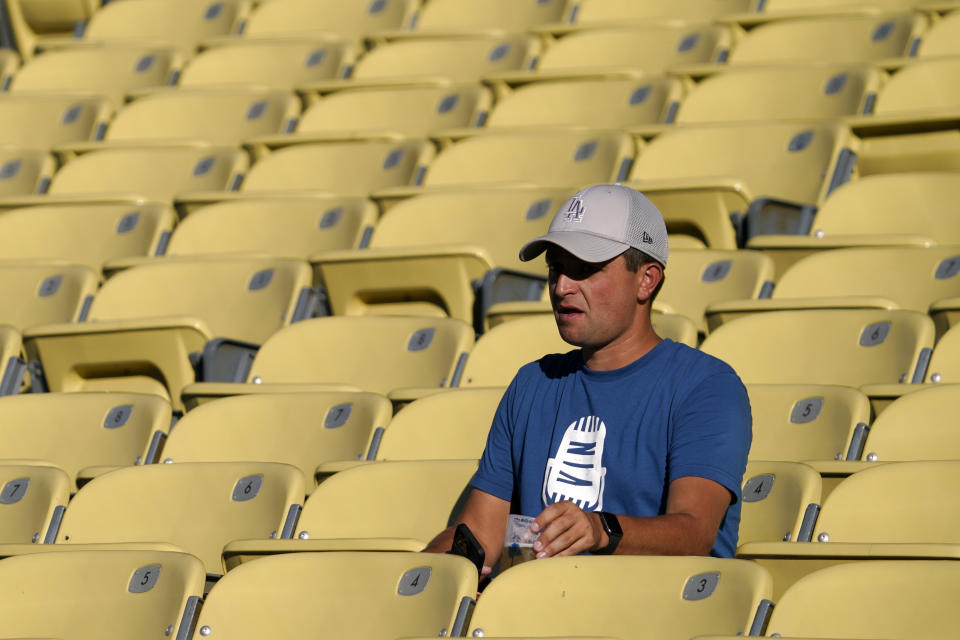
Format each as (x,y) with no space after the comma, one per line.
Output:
(614,440)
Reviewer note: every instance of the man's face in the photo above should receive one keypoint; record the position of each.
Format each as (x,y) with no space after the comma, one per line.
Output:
(593,303)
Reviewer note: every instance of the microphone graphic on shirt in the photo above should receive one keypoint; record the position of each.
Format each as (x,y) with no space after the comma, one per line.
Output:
(574,473)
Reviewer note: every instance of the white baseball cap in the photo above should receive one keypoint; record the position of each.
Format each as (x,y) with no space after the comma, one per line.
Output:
(601,222)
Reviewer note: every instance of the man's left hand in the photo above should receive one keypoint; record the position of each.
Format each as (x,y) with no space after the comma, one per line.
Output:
(566,530)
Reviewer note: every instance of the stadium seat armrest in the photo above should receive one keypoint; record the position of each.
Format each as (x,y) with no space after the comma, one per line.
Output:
(239,551)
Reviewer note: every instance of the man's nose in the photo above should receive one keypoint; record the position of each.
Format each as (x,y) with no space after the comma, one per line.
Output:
(564,284)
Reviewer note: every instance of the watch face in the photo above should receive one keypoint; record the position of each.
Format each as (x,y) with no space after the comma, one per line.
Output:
(611,524)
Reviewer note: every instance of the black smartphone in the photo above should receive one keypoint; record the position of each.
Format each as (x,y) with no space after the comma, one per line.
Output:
(466,545)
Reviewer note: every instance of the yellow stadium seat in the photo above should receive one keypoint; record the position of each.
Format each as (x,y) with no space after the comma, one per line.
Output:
(604,13)
(147,327)
(376,354)
(801,422)
(866,277)
(277,64)
(138,175)
(197,506)
(32,498)
(896,510)
(682,597)
(436,62)
(180,24)
(385,506)
(194,117)
(24,172)
(92,594)
(387,113)
(941,39)
(840,39)
(76,431)
(624,51)
(12,366)
(38,121)
(697,278)
(302,429)
(353,169)
(782,93)
(844,347)
(411,595)
(945,359)
(429,254)
(88,235)
(871,599)
(290,227)
(45,292)
(870,212)
(916,426)
(108,71)
(310,18)
(777,171)
(449,425)
(611,103)
(472,16)
(771,10)
(542,158)
(777,497)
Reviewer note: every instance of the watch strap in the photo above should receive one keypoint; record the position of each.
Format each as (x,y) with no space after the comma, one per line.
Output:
(611,525)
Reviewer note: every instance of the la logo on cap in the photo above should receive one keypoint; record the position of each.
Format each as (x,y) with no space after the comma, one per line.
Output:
(574,210)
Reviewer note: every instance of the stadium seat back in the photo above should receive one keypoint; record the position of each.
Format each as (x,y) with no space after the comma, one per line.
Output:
(350,20)
(775,498)
(508,15)
(911,277)
(500,352)
(108,71)
(595,12)
(412,111)
(346,169)
(44,121)
(544,158)
(197,506)
(376,354)
(44,292)
(924,85)
(897,502)
(302,429)
(876,598)
(790,160)
(24,172)
(402,499)
(651,48)
(697,277)
(837,39)
(288,227)
(843,347)
(242,298)
(270,63)
(29,497)
(945,361)
(941,39)
(450,59)
(683,597)
(451,425)
(85,234)
(413,595)
(156,174)
(917,426)
(79,430)
(605,103)
(218,117)
(781,93)
(90,594)
(804,422)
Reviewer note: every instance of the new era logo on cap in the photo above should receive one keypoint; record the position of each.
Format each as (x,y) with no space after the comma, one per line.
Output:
(646,238)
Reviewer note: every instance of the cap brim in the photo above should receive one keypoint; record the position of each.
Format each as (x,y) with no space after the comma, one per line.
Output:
(584,246)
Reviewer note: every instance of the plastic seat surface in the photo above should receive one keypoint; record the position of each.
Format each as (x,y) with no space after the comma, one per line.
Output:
(775,498)
(29,495)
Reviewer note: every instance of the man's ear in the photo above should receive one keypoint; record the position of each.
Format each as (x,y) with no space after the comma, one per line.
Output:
(649,277)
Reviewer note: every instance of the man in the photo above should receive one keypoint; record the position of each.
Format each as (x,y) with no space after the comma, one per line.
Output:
(631,444)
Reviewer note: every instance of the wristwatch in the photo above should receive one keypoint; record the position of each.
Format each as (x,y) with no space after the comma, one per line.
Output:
(614,532)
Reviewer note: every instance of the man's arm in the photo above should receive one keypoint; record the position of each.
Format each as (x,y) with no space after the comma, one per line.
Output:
(695,510)
(486,515)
